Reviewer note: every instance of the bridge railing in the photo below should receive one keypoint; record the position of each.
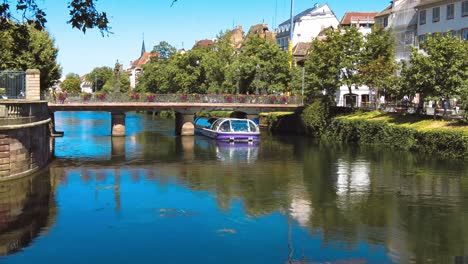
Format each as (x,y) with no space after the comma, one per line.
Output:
(172,98)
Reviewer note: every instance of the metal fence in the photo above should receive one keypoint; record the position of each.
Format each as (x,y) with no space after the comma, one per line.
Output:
(60,97)
(12,84)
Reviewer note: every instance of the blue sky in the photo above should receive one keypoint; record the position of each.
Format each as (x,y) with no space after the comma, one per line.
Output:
(180,25)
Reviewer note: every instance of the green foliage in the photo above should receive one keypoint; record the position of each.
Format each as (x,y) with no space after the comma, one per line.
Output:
(316,117)
(440,69)
(217,69)
(446,142)
(377,67)
(99,76)
(23,47)
(83,15)
(72,83)
(262,64)
(164,49)
(123,83)
(323,66)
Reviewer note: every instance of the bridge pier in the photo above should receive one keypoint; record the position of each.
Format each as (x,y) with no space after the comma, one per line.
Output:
(184,124)
(118,124)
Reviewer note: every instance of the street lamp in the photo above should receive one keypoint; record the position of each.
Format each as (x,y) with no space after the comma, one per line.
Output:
(256,77)
(238,80)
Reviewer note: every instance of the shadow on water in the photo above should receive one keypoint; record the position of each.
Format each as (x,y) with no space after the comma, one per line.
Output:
(285,198)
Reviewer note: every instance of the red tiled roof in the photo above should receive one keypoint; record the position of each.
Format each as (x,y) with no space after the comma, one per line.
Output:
(203,43)
(354,17)
(143,59)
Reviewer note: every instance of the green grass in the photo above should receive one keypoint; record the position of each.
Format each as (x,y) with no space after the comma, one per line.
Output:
(276,114)
(419,123)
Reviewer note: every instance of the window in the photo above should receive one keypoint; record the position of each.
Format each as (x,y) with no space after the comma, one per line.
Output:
(435,14)
(422,17)
(450,11)
(422,39)
(385,21)
(464,34)
(465,8)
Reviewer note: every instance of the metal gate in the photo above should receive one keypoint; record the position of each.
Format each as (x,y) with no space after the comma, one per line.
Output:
(12,84)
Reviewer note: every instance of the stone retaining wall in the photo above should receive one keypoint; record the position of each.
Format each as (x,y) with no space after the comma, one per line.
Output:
(25,142)
(24,150)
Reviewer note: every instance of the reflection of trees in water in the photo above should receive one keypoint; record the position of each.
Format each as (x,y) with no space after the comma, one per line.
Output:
(412,205)
(418,212)
(27,206)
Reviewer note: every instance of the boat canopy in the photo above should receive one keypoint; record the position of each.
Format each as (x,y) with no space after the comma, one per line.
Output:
(234,125)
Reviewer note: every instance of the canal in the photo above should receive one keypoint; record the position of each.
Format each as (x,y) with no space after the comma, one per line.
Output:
(152,197)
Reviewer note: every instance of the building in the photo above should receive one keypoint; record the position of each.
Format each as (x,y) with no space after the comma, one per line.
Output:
(445,17)
(307,25)
(203,43)
(401,17)
(362,20)
(262,31)
(136,66)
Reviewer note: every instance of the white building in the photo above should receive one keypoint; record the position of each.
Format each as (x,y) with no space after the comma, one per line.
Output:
(307,25)
(443,16)
(401,17)
(135,68)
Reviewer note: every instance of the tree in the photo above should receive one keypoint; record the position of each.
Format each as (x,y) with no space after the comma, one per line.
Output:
(24,47)
(322,67)
(439,69)
(378,68)
(83,15)
(71,83)
(99,76)
(349,56)
(164,49)
(118,80)
(262,64)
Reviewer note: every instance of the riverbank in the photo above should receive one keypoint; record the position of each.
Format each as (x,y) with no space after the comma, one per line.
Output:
(401,132)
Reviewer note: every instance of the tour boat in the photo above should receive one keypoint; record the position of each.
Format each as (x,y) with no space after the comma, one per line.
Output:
(227,129)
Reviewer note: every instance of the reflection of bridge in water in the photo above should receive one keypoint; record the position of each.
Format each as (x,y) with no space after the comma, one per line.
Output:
(184,111)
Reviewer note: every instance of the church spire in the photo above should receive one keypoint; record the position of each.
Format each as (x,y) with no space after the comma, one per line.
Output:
(143,50)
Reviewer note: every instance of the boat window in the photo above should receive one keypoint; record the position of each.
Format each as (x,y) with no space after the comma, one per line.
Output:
(240,125)
(225,127)
(216,125)
(252,126)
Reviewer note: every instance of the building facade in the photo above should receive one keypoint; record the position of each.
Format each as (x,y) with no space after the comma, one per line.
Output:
(364,21)
(307,25)
(443,16)
(401,17)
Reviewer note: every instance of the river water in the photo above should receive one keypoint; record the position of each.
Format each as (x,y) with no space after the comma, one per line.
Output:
(152,197)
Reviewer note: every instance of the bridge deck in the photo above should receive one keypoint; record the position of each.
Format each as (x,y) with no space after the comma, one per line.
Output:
(178,107)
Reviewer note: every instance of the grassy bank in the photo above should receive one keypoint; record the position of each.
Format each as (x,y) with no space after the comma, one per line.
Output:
(403,132)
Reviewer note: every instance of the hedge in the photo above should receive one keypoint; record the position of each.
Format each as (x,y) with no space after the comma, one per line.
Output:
(444,142)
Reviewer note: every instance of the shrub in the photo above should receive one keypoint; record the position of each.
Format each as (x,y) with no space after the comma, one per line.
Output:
(135,96)
(284,99)
(150,97)
(62,96)
(85,96)
(273,99)
(228,98)
(183,97)
(101,95)
(242,98)
(446,143)
(316,117)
